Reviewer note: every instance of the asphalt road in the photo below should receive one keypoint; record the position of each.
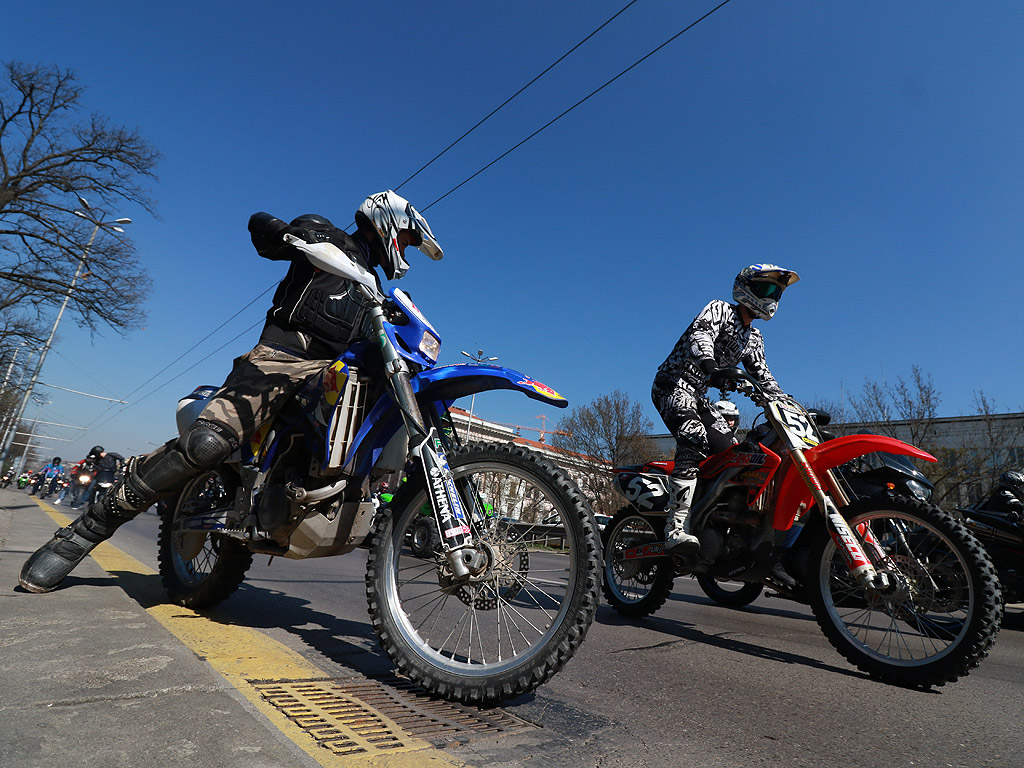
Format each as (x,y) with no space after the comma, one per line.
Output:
(695,685)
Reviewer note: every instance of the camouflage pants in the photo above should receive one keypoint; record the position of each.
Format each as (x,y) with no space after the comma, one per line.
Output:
(696,424)
(258,385)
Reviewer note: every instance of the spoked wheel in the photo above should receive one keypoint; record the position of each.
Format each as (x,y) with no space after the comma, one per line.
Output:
(941,614)
(732,594)
(510,627)
(424,538)
(635,586)
(200,568)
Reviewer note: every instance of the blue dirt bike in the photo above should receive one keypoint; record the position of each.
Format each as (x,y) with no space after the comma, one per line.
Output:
(491,611)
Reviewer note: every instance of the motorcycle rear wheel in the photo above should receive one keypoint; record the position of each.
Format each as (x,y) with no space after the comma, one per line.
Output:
(942,617)
(731,594)
(517,625)
(199,568)
(640,587)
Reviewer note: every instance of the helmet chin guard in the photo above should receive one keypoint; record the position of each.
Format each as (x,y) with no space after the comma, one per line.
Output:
(387,214)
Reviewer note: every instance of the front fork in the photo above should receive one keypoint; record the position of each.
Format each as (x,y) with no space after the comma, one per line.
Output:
(860,566)
(449,513)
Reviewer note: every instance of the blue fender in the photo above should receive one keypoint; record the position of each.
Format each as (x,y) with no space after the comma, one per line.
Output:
(450,382)
(438,385)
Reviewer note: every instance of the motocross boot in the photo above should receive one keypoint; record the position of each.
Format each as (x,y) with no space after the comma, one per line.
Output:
(678,538)
(46,568)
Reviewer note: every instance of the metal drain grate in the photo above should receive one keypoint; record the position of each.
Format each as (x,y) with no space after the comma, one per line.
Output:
(431,719)
(351,716)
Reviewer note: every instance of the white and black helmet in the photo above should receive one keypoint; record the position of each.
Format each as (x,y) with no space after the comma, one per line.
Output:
(729,412)
(387,214)
(728,408)
(759,288)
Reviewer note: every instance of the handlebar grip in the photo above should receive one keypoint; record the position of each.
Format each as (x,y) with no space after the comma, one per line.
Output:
(266,227)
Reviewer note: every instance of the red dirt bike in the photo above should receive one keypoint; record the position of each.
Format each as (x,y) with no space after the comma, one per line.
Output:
(899,587)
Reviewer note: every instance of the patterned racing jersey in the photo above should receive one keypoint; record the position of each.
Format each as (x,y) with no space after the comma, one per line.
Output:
(718,334)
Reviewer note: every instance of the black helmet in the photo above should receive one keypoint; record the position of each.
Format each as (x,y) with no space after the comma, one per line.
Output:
(1013,482)
(56,460)
(96,450)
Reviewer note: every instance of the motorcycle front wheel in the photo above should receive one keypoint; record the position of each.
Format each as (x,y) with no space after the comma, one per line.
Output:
(635,586)
(200,568)
(942,611)
(511,627)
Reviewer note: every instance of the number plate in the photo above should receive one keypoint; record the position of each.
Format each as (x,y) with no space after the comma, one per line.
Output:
(796,422)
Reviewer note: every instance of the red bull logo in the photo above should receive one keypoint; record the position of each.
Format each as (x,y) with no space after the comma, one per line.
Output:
(543,389)
(258,440)
(333,383)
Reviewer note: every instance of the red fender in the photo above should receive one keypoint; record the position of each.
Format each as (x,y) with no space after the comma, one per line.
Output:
(793,490)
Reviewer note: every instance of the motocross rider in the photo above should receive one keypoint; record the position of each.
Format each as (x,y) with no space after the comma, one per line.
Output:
(313,319)
(721,336)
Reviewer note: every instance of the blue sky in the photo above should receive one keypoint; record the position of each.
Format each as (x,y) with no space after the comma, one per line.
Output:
(874,147)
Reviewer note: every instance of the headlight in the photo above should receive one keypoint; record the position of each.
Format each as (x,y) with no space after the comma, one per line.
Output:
(430,347)
(920,490)
(83,479)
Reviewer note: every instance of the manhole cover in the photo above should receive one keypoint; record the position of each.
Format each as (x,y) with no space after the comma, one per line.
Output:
(361,715)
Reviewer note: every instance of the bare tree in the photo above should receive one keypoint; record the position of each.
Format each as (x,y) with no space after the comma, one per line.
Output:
(909,411)
(50,155)
(610,431)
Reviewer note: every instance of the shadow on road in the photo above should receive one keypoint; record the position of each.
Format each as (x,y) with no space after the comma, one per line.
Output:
(682,631)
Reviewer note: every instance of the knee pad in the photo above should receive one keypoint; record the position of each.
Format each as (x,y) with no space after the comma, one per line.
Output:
(208,443)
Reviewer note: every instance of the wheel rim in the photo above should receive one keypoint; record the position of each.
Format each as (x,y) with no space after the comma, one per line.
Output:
(929,612)
(631,582)
(420,536)
(505,618)
(196,553)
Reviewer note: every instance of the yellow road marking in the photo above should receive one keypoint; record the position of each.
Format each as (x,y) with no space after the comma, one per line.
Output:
(242,656)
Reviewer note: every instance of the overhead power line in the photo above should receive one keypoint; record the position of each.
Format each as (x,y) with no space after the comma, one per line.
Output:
(514,95)
(578,103)
(183,354)
(461,184)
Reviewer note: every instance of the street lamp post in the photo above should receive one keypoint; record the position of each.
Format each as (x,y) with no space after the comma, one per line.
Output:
(88,215)
(477,358)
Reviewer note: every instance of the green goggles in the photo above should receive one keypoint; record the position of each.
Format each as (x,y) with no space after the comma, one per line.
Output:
(766,290)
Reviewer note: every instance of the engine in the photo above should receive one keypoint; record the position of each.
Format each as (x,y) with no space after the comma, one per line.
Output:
(730,528)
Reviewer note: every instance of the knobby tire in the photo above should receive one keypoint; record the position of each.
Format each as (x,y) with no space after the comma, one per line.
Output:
(460,677)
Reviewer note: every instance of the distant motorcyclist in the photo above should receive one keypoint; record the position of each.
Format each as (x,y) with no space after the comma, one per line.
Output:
(51,475)
(107,464)
(721,336)
(313,318)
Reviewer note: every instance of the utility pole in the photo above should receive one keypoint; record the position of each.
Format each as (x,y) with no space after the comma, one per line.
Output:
(90,216)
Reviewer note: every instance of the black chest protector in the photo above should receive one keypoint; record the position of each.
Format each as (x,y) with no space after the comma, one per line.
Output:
(313,311)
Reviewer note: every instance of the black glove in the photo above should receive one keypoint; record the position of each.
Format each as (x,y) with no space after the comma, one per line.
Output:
(717,380)
(271,230)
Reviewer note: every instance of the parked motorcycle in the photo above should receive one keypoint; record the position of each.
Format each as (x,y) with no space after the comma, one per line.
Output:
(898,586)
(488,614)
(998,523)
